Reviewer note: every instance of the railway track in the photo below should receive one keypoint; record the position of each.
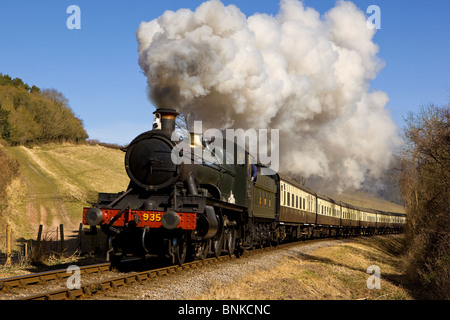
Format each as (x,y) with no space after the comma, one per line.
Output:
(90,289)
(113,282)
(42,277)
(16,286)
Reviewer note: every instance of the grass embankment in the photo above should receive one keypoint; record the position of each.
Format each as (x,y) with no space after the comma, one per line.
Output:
(336,272)
(56,181)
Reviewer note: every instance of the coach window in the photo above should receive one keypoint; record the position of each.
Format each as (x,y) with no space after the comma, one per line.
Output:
(293,203)
(288,198)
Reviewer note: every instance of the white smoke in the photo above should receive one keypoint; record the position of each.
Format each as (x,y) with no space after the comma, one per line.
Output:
(302,73)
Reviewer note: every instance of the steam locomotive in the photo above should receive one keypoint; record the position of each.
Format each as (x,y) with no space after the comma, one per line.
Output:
(189,210)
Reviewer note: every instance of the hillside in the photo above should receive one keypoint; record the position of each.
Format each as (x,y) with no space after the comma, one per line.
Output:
(55,181)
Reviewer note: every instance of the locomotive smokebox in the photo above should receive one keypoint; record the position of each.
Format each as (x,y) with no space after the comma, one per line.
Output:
(165,120)
(148,160)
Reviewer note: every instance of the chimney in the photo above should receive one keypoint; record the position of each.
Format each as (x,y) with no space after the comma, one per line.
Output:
(166,119)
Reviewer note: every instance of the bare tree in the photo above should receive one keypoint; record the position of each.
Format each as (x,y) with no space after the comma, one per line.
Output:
(425,185)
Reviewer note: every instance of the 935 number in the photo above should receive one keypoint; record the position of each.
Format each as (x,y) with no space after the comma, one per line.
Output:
(152,217)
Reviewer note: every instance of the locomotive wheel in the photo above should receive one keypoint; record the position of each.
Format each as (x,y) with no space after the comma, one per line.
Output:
(180,245)
(217,243)
(204,249)
(230,240)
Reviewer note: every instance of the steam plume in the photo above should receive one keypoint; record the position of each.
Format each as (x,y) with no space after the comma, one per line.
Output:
(302,73)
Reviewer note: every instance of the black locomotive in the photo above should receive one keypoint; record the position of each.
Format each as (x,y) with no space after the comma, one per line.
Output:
(201,207)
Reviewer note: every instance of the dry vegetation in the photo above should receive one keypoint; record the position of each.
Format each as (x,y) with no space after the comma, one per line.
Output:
(332,273)
(9,170)
(425,186)
(55,181)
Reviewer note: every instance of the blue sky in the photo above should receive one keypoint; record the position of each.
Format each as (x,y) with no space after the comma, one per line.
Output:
(97,69)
